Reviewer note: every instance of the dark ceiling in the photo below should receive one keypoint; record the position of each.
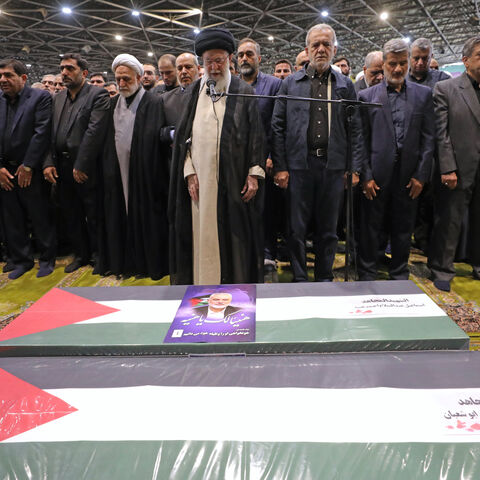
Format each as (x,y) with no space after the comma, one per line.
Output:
(37,32)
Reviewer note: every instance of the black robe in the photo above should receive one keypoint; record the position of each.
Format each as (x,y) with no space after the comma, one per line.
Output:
(240,231)
(137,243)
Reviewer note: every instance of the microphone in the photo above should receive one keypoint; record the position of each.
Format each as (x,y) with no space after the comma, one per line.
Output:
(211,90)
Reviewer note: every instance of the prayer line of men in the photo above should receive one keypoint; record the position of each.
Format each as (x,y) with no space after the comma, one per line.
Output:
(111,171)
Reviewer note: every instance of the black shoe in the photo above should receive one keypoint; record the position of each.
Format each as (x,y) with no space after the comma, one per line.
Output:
(443,285)
(19,271)
(75,265)
(8,267)
(45,269)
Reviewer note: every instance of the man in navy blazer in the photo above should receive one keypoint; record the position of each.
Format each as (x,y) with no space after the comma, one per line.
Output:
(309,153)
(399,146)
(25,119)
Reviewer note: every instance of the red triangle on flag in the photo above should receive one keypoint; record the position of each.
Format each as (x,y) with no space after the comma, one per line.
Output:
(24,406)
(57,308)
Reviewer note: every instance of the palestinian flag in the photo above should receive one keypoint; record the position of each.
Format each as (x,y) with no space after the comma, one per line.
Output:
(290,318)
(372,416)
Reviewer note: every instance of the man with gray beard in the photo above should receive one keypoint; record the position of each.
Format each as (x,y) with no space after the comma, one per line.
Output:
(218,163)
(134,229)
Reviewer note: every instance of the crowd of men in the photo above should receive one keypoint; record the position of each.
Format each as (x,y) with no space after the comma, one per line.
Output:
(196,171)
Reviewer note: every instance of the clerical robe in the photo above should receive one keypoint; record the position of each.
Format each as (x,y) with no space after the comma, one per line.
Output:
(239,237)
(134,226)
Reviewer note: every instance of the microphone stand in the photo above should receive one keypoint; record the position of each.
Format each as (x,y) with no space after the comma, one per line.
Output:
(350,107)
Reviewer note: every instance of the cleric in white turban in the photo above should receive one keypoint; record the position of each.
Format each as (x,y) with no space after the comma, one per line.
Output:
(127,60)
(135,176)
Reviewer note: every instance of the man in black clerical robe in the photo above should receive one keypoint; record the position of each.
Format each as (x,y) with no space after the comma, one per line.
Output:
(240,156)
(134,234)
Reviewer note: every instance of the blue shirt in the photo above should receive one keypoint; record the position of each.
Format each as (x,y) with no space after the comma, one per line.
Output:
(398,101)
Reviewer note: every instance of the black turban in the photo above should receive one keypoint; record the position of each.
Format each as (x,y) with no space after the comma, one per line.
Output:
(214,39)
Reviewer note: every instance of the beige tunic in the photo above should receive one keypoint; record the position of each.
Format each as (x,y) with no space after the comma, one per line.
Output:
(204,161)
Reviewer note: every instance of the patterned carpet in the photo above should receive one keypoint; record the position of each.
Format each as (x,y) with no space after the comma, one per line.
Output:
(462,303)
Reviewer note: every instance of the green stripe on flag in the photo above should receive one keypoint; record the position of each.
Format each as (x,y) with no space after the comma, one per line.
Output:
(239,460)
(291,336)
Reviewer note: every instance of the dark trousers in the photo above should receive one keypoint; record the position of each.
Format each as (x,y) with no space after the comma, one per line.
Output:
(21,205)
(79,206)
(393,209)
(424,220)
(314,194)
(450,209)
(273,217)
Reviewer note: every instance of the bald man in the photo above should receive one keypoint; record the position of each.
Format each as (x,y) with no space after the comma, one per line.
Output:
(301,60)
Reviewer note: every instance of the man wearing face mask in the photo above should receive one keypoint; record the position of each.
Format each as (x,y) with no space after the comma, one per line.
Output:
(134,225)
(218,164)
(80,116)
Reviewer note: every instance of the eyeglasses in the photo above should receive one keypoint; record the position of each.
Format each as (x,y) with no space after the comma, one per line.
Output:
(216,61)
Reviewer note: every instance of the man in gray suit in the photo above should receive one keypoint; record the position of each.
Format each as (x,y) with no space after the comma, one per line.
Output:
(80,119)
(457,110)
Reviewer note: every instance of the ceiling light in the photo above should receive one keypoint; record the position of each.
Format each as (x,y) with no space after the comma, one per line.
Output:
(105,73)
(324,13)
(270,38)
(336,43)
(196,31)
(407,39)
(28,65)
(383,15)
(0,12)
(135,13)
(118,37)
(60,54)
(150,54)
(196,11)
(67,10)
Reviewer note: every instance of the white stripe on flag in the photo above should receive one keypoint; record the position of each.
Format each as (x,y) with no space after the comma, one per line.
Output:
(279,309)
(264,415)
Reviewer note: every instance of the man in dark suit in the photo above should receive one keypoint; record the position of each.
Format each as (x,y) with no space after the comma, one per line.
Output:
(25,120)
(311,161)
(173,102)
(80,119)
(457,111)
(399,146)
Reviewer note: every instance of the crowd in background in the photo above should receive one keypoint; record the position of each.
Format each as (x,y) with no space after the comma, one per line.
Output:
(88,166)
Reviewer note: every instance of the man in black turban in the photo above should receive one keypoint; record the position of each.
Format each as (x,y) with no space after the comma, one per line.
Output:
(217,175)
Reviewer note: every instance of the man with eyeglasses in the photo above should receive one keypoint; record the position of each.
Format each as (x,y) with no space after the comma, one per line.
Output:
(218,162)
(372,71)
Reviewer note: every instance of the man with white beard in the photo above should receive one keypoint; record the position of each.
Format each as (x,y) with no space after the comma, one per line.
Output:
(218,163)
(134,234)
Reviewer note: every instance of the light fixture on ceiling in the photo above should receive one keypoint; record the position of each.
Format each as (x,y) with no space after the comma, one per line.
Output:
(0,12)
(384,16)
(60,54)
(86,48)
(66,10)
(270,38)
(135,13)
(28,65)
(119,38)
(196,11)
(407,39)
(196,31)
(324,13)
(150,54)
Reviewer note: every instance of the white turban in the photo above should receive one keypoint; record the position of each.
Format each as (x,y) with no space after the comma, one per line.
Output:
(129,61)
